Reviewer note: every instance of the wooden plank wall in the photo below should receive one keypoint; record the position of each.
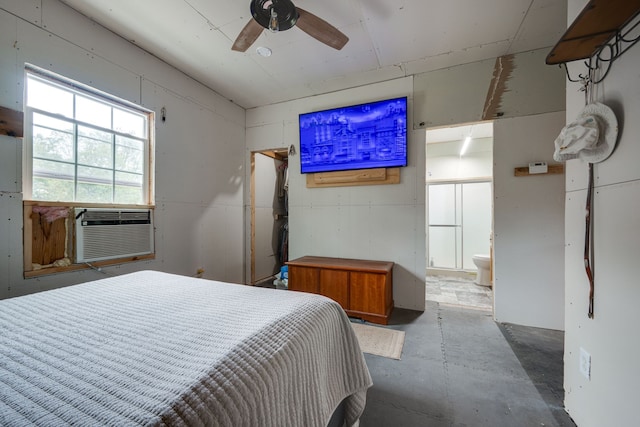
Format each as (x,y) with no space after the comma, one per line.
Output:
(48,240)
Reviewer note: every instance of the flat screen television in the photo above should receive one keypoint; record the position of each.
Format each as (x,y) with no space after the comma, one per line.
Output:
(363,136)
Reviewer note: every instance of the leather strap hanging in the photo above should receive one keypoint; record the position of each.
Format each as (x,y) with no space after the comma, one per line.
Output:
(610,135)
(587,242)
(589,97)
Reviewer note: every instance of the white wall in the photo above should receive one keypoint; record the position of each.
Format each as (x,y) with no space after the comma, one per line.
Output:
(610,397)
(444,161)
(458,94)
(387,222)
(203,161)
(523,207)
(528,224)
(199,149)
(452,96)
(379,222)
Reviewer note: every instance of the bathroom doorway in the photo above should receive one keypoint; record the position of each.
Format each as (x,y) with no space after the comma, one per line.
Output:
(459,212)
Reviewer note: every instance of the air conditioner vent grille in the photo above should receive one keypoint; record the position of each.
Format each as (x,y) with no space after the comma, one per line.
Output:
(103,234)
(115,217)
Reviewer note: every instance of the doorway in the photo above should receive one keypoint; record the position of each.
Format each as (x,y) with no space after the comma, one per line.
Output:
(269,214)
(459,212)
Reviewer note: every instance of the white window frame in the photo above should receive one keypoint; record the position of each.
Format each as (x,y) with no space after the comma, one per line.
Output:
(66,84)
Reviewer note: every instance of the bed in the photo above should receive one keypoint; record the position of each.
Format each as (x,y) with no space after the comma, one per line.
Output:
(152,348)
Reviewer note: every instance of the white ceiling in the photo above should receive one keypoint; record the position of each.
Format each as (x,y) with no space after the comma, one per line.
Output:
(388,39)
(459,133)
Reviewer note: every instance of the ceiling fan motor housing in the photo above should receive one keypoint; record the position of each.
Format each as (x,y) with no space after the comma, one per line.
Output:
(287,13)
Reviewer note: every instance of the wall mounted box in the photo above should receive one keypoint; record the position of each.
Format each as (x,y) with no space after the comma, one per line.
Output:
(538,167)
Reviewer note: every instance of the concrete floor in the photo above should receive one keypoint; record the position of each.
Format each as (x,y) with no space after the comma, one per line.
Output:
(460,368)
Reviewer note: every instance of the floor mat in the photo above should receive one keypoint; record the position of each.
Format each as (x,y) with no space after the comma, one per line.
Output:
(379,341)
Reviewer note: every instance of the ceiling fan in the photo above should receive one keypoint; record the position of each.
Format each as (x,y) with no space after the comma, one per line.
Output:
(281,15)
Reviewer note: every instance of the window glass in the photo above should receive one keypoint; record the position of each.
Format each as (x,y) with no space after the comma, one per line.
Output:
(52,181)
(130,123)
(85,147)
(94,185)
(93,112)
(52,144)
(95,148)
(48,97)
(127,188)
(52,123)
(129,153)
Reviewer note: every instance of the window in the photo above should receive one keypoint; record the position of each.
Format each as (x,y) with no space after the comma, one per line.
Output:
(84,146)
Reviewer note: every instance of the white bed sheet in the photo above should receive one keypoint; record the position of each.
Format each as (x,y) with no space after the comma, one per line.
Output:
(152,348)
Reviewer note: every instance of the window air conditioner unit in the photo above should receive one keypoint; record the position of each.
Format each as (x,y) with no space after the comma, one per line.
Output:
(103,234)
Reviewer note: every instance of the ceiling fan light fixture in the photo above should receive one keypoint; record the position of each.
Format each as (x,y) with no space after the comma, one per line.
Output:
(275,15)
(274,25)
(281,15)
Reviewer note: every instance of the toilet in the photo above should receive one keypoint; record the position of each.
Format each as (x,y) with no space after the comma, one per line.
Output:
(483,262)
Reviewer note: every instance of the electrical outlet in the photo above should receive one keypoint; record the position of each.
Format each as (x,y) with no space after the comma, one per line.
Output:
(585,363)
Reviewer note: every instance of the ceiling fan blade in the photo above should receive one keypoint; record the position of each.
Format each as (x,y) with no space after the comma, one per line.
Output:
(321,30)
(247,36)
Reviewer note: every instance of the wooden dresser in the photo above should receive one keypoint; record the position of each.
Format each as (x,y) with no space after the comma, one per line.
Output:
(363,288)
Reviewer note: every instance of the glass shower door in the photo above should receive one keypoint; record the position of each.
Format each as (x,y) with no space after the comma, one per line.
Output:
(476,213)
(459,220)
(445,226)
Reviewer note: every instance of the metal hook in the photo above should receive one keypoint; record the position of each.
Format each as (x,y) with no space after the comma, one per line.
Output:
(604,57)
(566,69)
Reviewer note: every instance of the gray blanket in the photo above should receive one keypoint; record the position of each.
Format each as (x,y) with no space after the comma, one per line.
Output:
(152,348)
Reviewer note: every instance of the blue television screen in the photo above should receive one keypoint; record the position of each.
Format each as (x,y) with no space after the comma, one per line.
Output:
(371,135)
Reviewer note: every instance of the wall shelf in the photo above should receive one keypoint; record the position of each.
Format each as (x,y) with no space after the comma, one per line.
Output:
(278,154)
(551,170)
(376,176)
(598,22)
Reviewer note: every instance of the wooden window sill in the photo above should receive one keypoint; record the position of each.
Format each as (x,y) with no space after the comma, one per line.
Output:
(77,267)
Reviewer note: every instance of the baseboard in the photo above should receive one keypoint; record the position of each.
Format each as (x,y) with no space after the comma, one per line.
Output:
(464,274)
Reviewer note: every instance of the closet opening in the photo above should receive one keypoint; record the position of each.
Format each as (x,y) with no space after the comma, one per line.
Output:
(269,215)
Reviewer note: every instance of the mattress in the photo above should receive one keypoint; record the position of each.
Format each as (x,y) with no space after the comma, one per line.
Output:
(152,348)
